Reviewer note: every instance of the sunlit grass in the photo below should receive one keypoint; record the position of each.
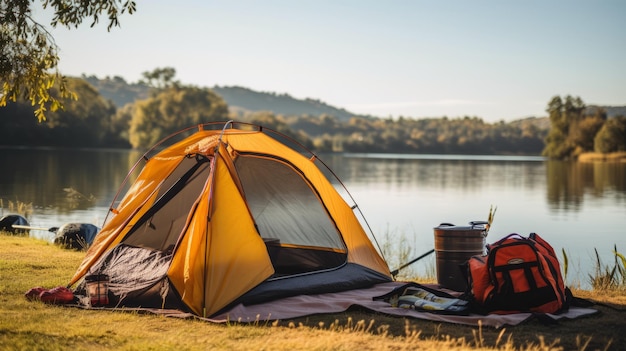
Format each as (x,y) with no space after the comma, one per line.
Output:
(27,262)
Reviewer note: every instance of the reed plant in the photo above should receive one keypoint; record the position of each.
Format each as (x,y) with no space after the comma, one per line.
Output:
(609,277)
(16,207)
(565,264)
(398,250)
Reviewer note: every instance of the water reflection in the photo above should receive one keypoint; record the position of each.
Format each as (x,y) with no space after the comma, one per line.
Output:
(401,195)
(469,175)
(566,183)
(63,179)
(71,179)
(569,183)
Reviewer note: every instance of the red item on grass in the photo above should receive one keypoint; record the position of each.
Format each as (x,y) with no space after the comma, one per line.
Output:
(33,294)
(58,295)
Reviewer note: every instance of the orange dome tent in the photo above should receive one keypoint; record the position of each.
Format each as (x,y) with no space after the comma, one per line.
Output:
(230,215)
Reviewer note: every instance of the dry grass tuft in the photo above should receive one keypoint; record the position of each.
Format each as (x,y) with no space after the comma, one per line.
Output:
(16,207)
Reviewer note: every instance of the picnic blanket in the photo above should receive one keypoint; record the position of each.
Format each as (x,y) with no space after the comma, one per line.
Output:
(303,305)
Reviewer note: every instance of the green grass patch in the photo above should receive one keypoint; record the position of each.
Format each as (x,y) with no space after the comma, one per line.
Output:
(26,325)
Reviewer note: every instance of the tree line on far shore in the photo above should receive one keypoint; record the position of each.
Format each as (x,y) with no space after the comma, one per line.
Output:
(93,121)
(574,130)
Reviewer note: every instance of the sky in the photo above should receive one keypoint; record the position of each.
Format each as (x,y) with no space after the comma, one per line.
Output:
(493,59)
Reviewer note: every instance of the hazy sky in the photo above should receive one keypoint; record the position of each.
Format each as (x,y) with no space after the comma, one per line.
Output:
(499,60)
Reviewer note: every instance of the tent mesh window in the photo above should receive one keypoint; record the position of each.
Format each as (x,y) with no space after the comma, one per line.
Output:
(290,217)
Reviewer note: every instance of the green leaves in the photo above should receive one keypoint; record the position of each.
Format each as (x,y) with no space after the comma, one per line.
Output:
(29,55)
(172,109)
(612,136)
(574,130)
(71,14)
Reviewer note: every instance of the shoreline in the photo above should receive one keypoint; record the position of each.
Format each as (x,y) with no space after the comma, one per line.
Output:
(600,157)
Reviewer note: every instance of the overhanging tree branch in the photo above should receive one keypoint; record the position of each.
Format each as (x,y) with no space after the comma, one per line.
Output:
(29,55)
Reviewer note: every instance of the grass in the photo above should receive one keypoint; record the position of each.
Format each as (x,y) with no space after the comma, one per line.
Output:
(607,277)
(24,325)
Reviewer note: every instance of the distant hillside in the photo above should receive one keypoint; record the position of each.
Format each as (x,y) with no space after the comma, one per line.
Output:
(281,104)
(611,111)
(121,93)
(243,99)
(542,123)
(118,90)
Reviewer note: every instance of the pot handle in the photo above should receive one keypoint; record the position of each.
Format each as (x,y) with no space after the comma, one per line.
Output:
(474,223)
(485,223)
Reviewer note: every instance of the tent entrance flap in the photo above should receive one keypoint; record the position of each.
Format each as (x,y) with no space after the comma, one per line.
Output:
(137,277)
(160,227)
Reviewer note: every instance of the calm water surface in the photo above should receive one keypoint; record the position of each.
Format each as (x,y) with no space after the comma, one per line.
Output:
(577,207)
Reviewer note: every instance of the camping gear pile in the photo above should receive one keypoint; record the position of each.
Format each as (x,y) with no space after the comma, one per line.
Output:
(514,274)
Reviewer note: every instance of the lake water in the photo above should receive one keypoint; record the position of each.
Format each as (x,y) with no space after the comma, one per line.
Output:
(577,207)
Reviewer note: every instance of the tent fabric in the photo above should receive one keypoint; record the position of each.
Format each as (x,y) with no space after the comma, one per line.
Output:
(325,282)
(231,215)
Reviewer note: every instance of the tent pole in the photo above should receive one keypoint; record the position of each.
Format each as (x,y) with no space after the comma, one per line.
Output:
(395,271)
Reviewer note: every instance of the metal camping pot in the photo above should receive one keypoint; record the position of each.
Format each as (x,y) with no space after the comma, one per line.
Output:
(454,245)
